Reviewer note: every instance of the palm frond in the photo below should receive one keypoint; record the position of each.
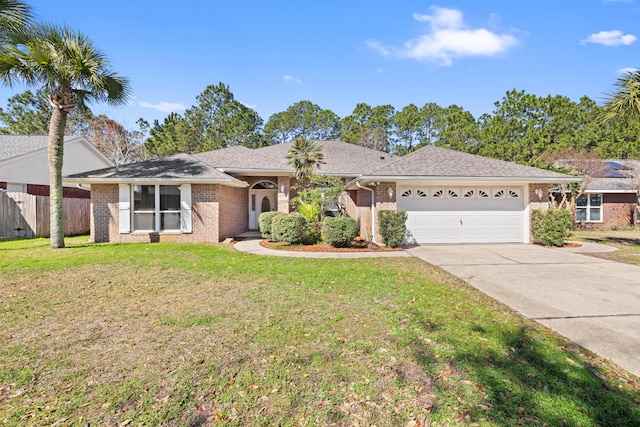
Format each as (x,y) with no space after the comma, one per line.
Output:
(624,103)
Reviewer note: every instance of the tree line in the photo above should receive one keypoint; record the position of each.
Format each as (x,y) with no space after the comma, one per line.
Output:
(522,128)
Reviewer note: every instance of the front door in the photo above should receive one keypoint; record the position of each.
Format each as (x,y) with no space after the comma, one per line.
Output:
(261,201)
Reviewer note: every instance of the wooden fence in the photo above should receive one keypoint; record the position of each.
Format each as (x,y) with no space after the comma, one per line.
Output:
(26,215)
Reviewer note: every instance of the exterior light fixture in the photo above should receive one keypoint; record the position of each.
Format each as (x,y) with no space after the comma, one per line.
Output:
(282,188)
(538,192)
(390,192)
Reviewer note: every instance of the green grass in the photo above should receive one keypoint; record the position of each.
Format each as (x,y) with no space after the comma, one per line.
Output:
(627,241)
(171,334)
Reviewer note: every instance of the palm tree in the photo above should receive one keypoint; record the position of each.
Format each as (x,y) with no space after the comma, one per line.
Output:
(15,16)
(624,103)
(73,73)
(305,156)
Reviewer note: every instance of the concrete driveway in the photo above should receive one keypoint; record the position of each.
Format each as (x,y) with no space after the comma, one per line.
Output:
(593,302)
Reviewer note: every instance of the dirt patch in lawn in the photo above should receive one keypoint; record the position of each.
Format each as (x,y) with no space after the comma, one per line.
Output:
(358,246)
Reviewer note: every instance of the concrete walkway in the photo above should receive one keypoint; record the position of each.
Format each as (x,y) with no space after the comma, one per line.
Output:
(591,301)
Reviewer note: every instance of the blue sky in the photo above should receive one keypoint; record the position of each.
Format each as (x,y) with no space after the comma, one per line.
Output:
(338,53)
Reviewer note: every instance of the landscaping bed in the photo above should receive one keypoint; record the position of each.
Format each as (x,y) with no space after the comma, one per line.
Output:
(357,246)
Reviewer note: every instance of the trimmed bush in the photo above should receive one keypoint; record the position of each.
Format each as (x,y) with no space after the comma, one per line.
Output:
(551,227)
(393,227)
(264,222)
(292,228)
(339,232)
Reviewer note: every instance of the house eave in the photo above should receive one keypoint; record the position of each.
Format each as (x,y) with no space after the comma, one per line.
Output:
(610,191)
(168,180)
(394,178)
(254,172)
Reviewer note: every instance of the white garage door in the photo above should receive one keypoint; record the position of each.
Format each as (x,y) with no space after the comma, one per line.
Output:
(463,214)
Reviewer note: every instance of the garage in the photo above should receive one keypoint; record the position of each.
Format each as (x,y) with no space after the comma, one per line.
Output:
(463,214)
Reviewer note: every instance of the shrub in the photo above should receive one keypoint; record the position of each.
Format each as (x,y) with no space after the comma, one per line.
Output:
(264,222)
(339,232)
(292,228)
(393,227)
(551,227)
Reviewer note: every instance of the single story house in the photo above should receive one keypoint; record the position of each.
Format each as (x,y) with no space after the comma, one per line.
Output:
(24,165)
(610,194)
(450,197)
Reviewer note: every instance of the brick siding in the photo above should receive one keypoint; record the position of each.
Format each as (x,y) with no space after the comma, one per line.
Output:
(618,209)
(105,217)
(234,211)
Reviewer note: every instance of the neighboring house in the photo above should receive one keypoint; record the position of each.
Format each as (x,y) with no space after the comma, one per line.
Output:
(24,165)
(451,197)
(610,194)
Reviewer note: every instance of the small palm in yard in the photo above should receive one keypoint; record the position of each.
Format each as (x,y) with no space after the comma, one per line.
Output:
(305,156)
(74,73)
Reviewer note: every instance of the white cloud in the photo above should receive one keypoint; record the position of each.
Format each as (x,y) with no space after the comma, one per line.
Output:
(165,107)
(627,70)
(252,106)
(449,38)
(288,79)
(610,38)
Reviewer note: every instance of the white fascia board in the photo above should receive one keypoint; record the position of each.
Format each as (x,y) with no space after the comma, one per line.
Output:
(256,172)
(454,179)
(611,191)
(227,182)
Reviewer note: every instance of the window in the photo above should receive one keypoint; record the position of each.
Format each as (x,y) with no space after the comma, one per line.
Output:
(589,208)
(421,193)
(156,207)
(405,194)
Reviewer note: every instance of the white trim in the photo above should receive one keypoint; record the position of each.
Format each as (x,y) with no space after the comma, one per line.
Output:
(588,208)
(526,214)
(186,220)
(124,208)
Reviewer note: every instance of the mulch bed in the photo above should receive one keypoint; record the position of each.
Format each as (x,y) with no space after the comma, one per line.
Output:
(358,246)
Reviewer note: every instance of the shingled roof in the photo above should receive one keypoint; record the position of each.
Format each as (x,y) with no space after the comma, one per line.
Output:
(340,158)
(239,158)
(17,145)
(179,167)
(437,162)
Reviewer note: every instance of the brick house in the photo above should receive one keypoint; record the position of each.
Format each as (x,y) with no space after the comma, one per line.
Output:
(610,195)
(450,197)
(24,165)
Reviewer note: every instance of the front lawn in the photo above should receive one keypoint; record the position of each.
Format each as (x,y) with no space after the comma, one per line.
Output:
(171,334)
(627,242)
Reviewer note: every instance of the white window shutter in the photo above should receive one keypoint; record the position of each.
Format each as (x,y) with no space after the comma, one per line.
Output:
(124,208)
(185,208)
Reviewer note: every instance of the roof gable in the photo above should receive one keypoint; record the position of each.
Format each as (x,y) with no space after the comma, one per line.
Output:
(14,146)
